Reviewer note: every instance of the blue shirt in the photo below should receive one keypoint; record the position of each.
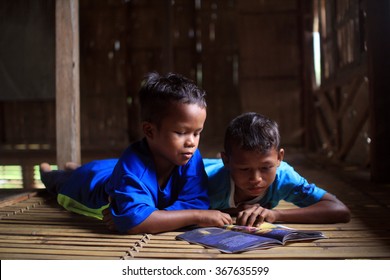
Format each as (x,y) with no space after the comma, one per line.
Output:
(288,185)
(133,187)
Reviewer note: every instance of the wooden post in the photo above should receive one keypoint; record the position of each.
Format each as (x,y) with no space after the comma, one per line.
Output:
(378,46)
(305,43)
(28,175)
(67,82)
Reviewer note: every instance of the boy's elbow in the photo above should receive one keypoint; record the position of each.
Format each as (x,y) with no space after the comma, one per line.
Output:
(145,228)
(140,230)
(346,217)
(132,231)
(343,215)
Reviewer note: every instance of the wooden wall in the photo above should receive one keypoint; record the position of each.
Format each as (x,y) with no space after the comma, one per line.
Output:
(248,55)
(338,114)
(195,38)
(241,53)
(103,80)
(26,74)
(269,64)
(28,124)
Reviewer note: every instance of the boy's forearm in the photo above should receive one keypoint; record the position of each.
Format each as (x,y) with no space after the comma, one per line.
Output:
(161,221)
(324,211)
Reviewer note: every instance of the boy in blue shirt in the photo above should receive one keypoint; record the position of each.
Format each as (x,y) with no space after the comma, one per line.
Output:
(251,179)
(159,183)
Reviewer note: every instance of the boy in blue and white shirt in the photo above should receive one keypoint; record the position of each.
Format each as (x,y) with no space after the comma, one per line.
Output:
(251,179)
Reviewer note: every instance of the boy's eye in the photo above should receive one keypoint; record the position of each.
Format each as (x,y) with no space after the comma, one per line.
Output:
(244,169)
(267,168)
(196,134)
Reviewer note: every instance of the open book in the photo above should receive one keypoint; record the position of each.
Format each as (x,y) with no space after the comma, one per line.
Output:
(235,239)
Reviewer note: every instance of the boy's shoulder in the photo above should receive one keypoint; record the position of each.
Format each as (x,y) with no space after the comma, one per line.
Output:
(288,177)
(285,167)
(138,150)
(212,165)
(285,172)
(213,162)
(136,157)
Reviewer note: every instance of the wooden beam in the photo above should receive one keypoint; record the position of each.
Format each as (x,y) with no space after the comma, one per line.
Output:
(378,46)
(305,43)
(67,82)
(348,143)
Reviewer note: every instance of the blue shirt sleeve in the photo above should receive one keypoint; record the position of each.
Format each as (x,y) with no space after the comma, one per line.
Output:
(218,183)
(132,203)
(291,187)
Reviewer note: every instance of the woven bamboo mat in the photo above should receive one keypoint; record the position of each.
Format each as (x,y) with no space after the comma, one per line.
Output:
(37,228)
(33,226)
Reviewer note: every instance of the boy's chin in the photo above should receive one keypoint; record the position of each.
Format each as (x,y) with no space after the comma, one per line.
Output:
(256,192)
(182,162)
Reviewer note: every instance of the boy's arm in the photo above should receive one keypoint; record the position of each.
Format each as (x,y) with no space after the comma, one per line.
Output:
(162,220)
(328,210)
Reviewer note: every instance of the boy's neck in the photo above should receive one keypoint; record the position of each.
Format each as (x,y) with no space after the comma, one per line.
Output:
(163,171)
(163,178)
(240,198)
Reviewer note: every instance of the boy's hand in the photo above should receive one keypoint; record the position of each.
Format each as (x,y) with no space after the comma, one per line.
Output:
(209,218)
(254,215)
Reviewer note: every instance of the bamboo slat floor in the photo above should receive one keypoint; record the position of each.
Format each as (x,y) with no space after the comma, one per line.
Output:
(33,226)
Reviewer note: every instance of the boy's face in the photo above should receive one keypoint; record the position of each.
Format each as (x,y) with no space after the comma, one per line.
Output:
(252,172)
(177,137)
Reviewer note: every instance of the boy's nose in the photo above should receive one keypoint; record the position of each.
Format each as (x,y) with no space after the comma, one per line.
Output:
(255,176)
(190,141)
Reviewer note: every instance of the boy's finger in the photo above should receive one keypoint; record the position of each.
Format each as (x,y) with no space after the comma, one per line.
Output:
(253,218)
(228,219)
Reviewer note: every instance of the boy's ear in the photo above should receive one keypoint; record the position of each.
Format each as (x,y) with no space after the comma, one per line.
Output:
(148,129)
(280,155)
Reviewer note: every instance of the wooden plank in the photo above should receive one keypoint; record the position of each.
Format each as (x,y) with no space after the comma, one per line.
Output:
(273,253)
(10,197)
(61,252)
(36,256)
(67,247)
(74,240)
(67,82)
(351,94)
(76,232)
(71,242)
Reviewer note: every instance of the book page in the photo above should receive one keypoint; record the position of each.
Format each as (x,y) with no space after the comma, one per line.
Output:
(226,240)
(279,232)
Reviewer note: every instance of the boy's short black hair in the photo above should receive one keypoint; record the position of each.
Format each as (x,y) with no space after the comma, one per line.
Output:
(157,92)
(252,132)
